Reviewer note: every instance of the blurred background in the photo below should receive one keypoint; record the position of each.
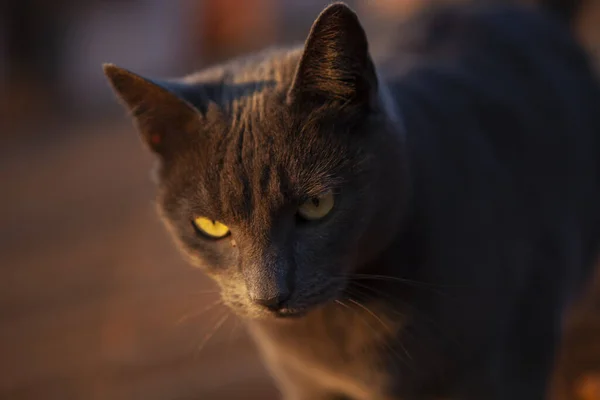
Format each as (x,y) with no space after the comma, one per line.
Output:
(95,302)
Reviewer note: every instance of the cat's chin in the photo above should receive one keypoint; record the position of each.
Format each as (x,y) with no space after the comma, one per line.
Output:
(280,315)
(290,314)
(293,314)
(286,314)
(297,308)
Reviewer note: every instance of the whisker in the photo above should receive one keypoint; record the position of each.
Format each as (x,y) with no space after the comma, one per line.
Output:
(408,282)
(372,313)
(382,323)
(404,280)
(418,316)
(342,304)
(205,292)
(230,337)
(415,313)
(212,332)
(364,321)
(391,300)
(390,307)
(237,324)
(199,313)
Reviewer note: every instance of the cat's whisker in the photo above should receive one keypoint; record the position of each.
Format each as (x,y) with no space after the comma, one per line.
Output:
(413,312)
(199,313)
(372,313)
(429,323)
(356,286)
(429,326)
(230,337)
(400,279)
(205,292)
(368,310)
(212,332)
(235,326)
(342,304)
(364,321)
(358,293)
(408,282)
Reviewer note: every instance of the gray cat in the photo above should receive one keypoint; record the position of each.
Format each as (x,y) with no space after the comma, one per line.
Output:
(411,231)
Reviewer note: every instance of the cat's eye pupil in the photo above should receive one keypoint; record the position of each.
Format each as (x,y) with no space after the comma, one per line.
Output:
(315,208)
(210,227)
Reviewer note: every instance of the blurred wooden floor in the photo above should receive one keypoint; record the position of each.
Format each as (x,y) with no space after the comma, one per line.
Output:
(92,290)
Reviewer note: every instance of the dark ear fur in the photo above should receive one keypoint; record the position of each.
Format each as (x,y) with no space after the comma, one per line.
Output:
(161,117)
(335,64)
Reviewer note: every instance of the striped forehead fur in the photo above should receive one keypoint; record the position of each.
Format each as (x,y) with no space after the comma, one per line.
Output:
(246,81)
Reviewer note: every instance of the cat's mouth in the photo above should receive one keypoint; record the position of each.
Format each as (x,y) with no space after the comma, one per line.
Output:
(299,305)
(314,300)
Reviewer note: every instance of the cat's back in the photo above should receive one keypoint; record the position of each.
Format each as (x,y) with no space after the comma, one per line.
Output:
(502,110)
(492,61)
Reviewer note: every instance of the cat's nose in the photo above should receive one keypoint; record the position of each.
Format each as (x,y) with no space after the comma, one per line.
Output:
(273,303)
(268,275)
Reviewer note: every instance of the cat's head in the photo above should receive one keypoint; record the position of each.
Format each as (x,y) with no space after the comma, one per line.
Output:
(278,175)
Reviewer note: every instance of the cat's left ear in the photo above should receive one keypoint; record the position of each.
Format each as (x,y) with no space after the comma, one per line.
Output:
(335,65)
(162,118)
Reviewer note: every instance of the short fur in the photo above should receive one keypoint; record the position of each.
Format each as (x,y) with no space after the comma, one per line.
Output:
(466,170)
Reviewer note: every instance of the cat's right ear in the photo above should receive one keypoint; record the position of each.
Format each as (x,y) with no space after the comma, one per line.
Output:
(335,65)
(161,117)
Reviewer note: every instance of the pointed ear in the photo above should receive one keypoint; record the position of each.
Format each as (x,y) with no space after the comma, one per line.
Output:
(335,64)
(161,117)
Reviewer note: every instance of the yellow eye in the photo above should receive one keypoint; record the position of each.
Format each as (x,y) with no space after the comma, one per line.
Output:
(317,207)
(210,228)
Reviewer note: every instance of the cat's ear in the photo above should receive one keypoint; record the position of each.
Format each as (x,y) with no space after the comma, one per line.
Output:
(335,64)
(162,118)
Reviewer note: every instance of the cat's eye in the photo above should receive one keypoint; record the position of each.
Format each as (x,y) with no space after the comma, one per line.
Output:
(317,207)
(210,228)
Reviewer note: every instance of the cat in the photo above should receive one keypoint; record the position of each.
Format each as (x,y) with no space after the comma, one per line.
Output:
(411,230)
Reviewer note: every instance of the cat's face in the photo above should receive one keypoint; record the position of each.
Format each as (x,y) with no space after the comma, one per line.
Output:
(294,203)
(279,196)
